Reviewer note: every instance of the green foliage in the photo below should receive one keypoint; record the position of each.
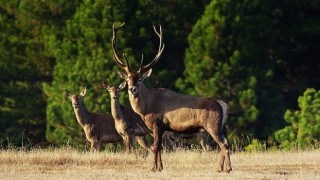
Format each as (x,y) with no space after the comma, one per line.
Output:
(24,65)
(246,53)
(255,146)
(83,54)
(83,59)
(304,124)
(176,19)
(259,56)
(222,61)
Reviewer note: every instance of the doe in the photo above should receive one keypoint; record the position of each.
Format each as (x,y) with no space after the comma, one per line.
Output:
(98,127)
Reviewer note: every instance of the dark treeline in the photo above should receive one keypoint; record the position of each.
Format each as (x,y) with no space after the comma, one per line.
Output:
(259,56)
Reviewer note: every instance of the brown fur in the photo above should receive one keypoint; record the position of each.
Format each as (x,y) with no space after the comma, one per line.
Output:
(99,128)
(165,110)
(128,124)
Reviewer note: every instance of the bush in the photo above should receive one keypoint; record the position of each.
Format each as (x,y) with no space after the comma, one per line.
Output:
(304,124)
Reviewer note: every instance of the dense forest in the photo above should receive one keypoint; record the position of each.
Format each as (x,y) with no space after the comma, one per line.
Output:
(262,57)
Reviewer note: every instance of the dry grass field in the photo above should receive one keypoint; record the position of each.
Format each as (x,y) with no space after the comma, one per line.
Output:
(72,164)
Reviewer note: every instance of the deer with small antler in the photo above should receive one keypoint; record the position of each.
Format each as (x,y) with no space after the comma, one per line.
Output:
(128,124)
(99,128)
(165,110)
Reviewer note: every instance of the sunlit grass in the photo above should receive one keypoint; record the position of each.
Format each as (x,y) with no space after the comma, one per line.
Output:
(68,163)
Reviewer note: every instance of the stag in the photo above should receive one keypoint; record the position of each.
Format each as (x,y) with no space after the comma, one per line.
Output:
(99,128)
(128,124)
(165,110)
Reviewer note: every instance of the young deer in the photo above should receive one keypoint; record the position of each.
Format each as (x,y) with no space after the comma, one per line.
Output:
(165,110)
(128,124)
(99,128)
(171,139)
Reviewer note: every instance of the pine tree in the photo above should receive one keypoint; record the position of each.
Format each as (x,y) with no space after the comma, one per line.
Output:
(304,124)
(83,59)
(25,64)
(225,60)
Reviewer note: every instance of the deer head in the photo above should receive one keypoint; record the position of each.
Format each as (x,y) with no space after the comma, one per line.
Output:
(113,90)
(76,100)
(134,79)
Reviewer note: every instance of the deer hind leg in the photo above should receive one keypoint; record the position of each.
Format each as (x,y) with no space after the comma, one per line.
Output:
(143,143)
(224,162)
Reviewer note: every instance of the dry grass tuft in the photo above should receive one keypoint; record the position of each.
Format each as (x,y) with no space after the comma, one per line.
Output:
(72,164)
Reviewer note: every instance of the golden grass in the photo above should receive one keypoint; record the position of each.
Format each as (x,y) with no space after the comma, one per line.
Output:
(71,164)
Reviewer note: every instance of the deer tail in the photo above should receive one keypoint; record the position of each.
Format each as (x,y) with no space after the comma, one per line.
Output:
(225,109)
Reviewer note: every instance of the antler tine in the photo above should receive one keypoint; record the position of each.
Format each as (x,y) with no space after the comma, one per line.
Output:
(141,62)
(104,84)
(160,50)
(158,34)
(127,63)
(114,45)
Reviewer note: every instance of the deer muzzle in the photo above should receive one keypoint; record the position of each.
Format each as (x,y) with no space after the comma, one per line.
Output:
(75,105)
(133,90)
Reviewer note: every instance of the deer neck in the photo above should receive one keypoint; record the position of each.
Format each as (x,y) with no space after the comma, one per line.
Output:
(82,115)
(116,109)
(139,101)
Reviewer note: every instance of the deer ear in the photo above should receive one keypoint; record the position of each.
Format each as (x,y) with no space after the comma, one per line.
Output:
(83,93)
(122,75)
(67,93)
(105,85)
(122,85)
(146,74)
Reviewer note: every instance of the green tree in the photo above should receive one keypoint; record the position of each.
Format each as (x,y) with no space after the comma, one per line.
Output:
(225,60)
(257,55)
(83,54)
(25,64)
(304,124)
(176,19)
(83,58)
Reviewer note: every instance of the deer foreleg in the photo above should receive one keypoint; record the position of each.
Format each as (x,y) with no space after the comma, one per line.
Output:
(95,146)
(157,166)
(127,143)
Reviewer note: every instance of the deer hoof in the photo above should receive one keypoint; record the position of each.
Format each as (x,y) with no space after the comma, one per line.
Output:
(218,168)
(227,169)
(154,169)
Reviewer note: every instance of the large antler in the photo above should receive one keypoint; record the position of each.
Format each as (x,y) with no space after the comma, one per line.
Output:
(155,60)
(115,54)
